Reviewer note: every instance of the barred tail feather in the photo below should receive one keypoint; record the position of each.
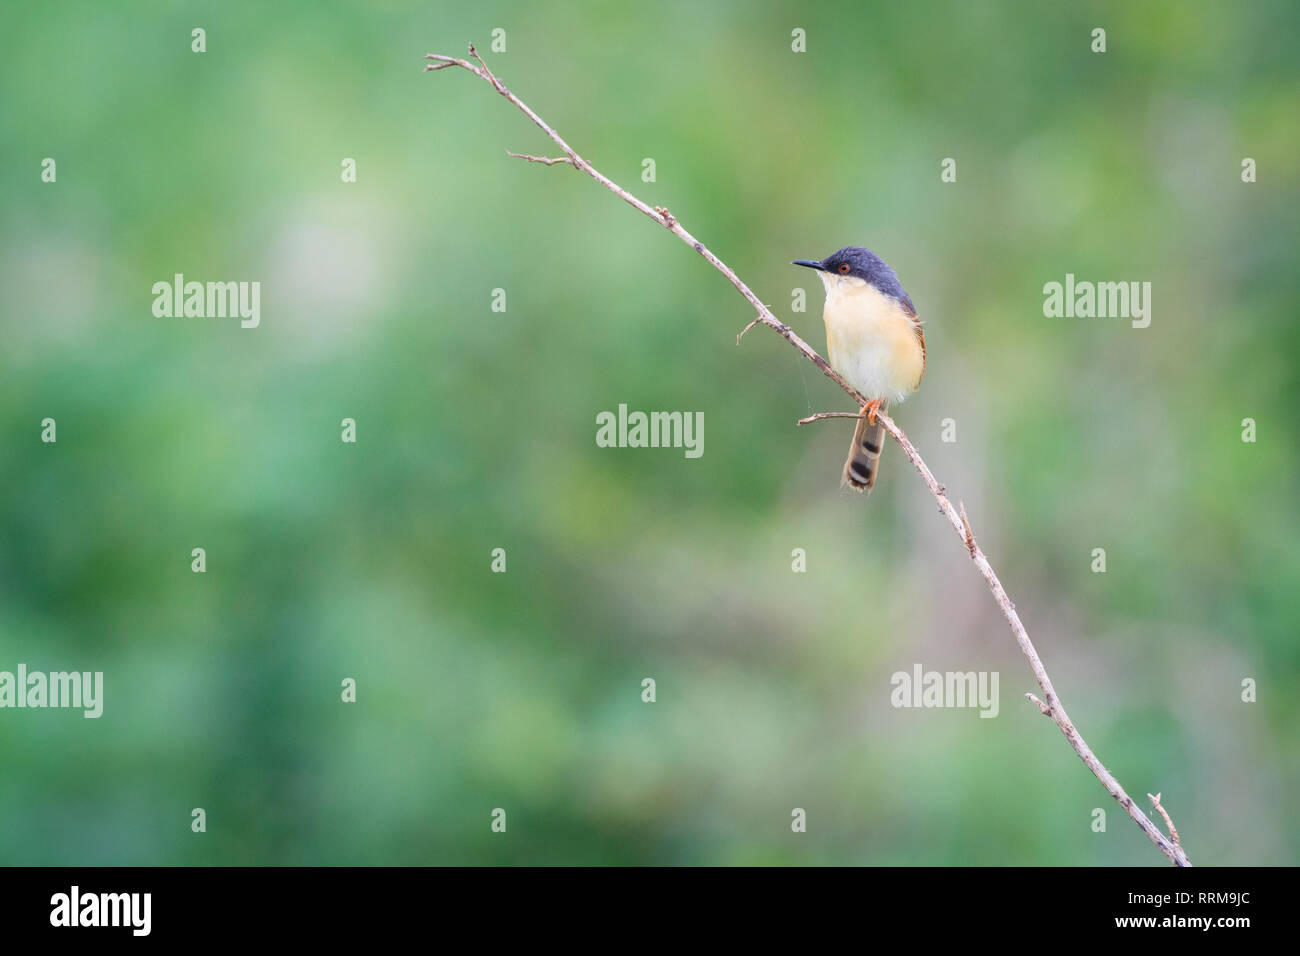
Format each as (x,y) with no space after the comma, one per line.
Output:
(864,456)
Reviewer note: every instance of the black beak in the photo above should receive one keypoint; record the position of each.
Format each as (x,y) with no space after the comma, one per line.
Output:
(810,263)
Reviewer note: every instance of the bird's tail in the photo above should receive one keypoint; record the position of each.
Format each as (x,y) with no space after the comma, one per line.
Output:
(864,455)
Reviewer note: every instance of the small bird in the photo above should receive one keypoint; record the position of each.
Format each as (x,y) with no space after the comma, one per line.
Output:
(874,341)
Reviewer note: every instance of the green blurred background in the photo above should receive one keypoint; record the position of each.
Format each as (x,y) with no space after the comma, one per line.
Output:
(476,431)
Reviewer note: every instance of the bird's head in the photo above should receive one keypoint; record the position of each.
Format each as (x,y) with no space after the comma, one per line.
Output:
(854,265)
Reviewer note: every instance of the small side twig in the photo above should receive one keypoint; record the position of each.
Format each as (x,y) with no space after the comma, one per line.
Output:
(821,415)
(1173,831)
(545,160)
(970,535)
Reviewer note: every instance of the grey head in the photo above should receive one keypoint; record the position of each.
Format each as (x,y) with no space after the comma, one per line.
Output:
(861,264)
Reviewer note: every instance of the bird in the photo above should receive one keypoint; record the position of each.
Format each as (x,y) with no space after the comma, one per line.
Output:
(874,341)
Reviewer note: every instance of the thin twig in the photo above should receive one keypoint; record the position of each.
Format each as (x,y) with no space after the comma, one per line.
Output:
(820,415)
(1173,831)
(741,334)
(965,523)
(545,160)
(1053,707)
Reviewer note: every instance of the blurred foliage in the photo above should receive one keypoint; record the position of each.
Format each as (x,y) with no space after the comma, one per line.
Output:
(476,431)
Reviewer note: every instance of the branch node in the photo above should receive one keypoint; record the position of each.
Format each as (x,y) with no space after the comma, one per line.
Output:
(484,72)
(965,522)
(1043,708)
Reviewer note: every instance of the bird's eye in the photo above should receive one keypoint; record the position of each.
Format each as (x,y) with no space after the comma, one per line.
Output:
(844,268)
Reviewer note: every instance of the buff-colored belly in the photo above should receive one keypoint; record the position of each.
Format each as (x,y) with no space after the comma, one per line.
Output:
(872,342)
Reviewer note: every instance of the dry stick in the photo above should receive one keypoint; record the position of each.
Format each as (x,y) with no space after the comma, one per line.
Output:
(1053,707)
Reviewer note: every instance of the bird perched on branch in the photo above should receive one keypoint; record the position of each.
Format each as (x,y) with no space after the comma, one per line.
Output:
(874,341)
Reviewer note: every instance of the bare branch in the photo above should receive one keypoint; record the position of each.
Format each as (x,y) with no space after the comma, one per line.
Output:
(1053,707)
(659,214)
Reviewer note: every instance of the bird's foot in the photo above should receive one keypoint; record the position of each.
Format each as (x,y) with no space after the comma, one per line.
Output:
(870,410)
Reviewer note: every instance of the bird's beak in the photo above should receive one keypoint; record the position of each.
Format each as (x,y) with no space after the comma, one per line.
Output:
(810,263)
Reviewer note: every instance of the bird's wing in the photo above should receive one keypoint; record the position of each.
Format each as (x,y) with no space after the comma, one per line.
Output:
(910,309)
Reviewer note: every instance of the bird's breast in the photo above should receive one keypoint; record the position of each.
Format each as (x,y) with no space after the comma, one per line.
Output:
(872,342)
